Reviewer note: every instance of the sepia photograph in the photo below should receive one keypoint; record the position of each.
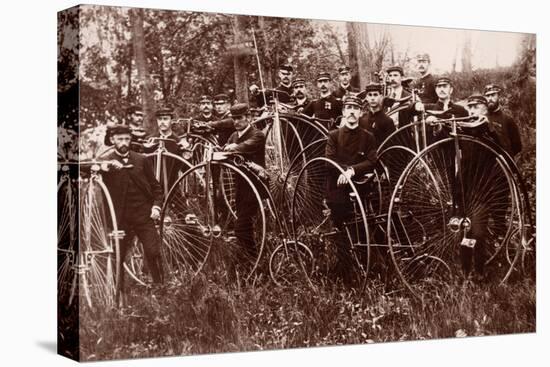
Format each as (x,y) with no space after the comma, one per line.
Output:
(232,183)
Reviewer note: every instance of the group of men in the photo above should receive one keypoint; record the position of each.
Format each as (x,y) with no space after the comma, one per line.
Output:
(357,121)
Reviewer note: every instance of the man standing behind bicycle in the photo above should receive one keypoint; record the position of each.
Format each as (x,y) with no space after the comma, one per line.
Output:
(354,149)
(375,120)
(326,107)
(248,142)
(504,126)
(137,199)
(169,140)
(223,123)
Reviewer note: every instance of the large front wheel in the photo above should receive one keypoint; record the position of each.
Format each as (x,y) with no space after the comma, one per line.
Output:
(201,216)
(452,209)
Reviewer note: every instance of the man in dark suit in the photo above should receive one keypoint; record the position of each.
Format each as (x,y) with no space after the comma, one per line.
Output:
(137,199)
(285,87)
(171,167)
(444,91)
(398,92)
(223,123)
(344,76)
(426,83)
(375,120)
(504,127)
(299,93)
(354,149)
(248,142)
(326,107)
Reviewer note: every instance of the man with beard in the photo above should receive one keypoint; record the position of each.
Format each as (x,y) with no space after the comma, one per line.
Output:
(137,199)
(299,93)
(206,108)
(397,92)
(327,107)
(354,149)
(285,86)
(134,119)
(375,120)
(504,127)
(344,76)
(223,124)
(248,142)
(426,83)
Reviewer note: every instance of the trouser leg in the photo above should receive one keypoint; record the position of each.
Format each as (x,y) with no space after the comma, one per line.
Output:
(150,240)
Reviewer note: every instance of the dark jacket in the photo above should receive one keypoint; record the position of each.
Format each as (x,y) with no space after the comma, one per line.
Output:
(326,108)
(349,148)
(285,97)
(201,117)
(454,109)
(378,124)
(224,127)
(141,175)
(251,145)
(404,116)
(426,87)
(341,91)
(506,131)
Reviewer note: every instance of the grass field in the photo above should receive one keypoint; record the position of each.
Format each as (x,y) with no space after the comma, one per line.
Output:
(212,316)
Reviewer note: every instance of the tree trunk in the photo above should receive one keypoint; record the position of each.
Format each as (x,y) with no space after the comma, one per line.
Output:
(144,82)
(353,53)
(241,77)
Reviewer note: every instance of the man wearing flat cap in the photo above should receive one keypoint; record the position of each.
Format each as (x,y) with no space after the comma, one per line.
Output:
(375,120)
(248,142)
(397,92)
(444,105)
(326,107)
(285,87)
(354,149)
(222,123)
(137,198)
(299,93)
(165,116)
(503,125)
(344,87)
(426,83)
(206,109)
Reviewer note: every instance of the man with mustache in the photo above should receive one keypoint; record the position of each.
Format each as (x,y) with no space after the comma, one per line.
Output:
(503,125)
(397,92)
(375,120)
(444,91)
(137,198)
(344,76)
(165,118)
(206,108)
(300,95)
(426,83)
(354,149)
(222,123)
(326,107)
(285,86)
